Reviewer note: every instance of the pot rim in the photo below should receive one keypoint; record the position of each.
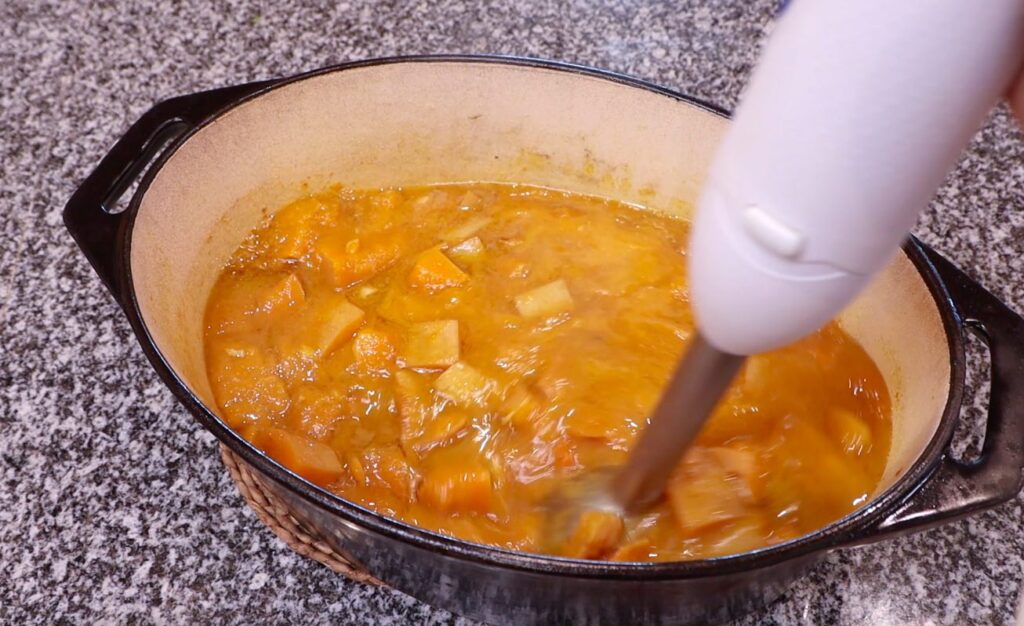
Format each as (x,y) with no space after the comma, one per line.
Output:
(852,528)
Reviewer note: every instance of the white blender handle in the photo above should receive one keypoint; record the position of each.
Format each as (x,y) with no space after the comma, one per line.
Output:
(855,113)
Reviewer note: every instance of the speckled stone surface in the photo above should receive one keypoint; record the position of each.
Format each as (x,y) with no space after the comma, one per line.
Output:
(114,507)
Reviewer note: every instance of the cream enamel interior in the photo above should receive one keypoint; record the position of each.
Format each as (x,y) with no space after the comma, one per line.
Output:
(427,122)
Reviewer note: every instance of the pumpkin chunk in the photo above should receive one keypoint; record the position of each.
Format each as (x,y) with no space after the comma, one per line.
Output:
(374,350)
(310,459)
(461,487)
(350,261)
(433,271)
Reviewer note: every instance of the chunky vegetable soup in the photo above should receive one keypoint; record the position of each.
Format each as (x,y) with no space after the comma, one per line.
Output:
(446,355)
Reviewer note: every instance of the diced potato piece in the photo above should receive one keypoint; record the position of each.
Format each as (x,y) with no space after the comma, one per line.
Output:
(457,488)
(337,324)
(700,494)
(374,350)
(467,229)
(740,465)
(596,534)
(423,426)
(310,459)
(294,228)
(742,535)
(469,251)
(412,392)
(442,429)
(348,261)
(432,344)
(849,431)
(433,270)
(545,301)
(465,385)
(519,406)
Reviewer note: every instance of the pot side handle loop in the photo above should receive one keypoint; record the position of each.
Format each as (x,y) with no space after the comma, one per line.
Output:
(958,489)
(90,215)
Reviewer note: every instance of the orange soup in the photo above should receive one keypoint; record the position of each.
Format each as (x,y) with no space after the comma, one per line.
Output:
(447,355)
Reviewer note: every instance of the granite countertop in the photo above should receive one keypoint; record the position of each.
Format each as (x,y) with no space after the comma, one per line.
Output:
(114,507)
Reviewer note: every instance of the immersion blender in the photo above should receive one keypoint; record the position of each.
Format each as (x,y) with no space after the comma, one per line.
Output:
(854,115)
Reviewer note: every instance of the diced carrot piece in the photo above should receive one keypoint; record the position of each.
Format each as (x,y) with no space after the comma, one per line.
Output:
(467,229)
(310,459)
(469,251)
(465,385)
(545,301)
(374,350)
(336,324)
(596,534)
(701,495)
(849,431)
(294,228)
(348,261)
(432,344)
(457,488)
(433,270)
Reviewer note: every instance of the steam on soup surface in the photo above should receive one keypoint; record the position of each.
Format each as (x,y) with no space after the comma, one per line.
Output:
(447,355)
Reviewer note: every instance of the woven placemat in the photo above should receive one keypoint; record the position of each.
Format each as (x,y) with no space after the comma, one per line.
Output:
(276,515)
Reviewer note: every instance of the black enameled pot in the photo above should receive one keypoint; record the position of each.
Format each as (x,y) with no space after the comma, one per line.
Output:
(212,163)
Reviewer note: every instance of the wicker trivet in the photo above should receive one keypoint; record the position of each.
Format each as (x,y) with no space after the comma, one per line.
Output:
(276,515)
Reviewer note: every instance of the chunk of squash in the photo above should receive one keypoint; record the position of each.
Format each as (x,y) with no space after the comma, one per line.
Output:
(374,350)
(294,228)
(457,487)
(465,385)
(251,299)
(349,261)
(387,466)
(310,459)
(433,270)
(432,344)
(545,301)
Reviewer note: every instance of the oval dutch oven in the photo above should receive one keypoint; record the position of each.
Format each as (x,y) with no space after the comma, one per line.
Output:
(218,160)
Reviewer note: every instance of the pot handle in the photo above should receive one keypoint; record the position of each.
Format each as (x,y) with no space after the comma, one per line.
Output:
(957,489)
(91,215)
